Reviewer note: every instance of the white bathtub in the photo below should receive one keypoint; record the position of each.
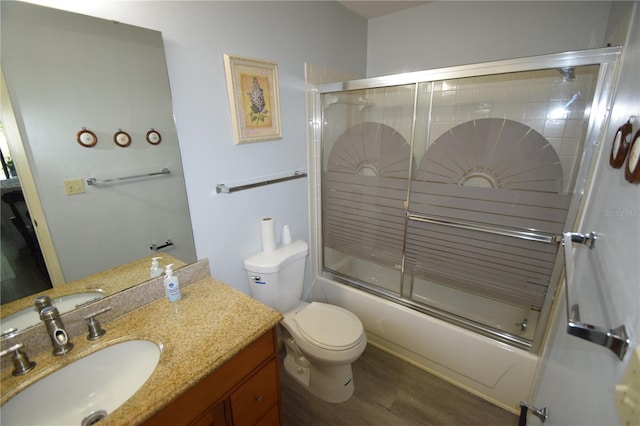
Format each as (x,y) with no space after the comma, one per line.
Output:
(490,312)
(492,370)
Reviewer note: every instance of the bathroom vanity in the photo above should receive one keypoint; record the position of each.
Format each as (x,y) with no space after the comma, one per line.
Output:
(218,362)
(243,391)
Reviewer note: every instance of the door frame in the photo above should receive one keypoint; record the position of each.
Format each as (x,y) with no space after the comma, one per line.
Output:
(21,160)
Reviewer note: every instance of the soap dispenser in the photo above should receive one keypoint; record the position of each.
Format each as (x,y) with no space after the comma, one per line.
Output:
(155,270)
(171,285)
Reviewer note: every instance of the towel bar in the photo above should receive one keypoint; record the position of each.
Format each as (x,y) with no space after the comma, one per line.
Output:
(94,181)
(615,339)
(524,235)
(222,188)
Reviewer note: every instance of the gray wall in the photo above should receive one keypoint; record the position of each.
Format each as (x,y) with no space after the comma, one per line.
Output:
(196,34)
(577,380)
(445,33)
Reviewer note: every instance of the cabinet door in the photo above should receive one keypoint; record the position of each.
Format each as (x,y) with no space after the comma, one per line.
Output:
(216,416)
(256,396)
(272,418)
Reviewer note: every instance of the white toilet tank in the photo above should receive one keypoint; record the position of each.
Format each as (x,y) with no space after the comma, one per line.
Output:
(276,278)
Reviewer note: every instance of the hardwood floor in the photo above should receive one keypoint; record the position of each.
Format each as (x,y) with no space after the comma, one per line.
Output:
(391,392)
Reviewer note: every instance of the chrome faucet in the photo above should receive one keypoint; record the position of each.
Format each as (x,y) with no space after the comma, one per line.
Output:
(55,328)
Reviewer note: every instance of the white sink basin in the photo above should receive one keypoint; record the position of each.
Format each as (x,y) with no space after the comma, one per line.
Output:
(28,316)
(98,383)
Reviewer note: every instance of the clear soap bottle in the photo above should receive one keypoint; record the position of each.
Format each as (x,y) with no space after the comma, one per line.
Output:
(155,270)
(171,285)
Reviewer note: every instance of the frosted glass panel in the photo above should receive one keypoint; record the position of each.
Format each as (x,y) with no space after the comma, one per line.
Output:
(449,193)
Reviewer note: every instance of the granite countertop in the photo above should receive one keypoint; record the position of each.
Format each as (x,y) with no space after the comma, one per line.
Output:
(208,326)
(107,282)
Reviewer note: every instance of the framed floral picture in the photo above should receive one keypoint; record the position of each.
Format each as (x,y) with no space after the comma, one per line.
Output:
(253,99)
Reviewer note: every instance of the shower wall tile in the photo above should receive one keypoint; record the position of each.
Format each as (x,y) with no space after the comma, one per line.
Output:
(562,91)
(438,129)
(482,94)
(553,129)
(519,93)
(574,129)
(536,110)
(446,98)
(461,113)
(464,96)
(516,111)
(539,92)
(565,146)
(539,99)
(502,94)
(537,125)
(443,114)
(449,85)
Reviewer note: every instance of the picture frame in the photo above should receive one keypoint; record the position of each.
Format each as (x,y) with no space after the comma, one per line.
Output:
(254,99)
(620,145)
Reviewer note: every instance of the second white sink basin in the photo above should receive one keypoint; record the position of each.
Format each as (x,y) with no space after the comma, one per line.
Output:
(88,389)
(28,316)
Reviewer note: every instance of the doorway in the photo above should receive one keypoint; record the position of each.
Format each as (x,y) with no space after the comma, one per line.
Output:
(22,268)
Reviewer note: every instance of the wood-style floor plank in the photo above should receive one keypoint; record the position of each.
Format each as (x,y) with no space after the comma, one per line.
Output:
(391,392)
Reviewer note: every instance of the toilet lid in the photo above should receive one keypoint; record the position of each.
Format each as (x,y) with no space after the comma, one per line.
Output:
(329,327)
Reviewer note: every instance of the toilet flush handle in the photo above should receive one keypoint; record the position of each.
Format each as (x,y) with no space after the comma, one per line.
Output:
(255,277)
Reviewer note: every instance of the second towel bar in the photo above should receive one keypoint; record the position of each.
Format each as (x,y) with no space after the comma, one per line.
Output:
(94,181)
(615,339)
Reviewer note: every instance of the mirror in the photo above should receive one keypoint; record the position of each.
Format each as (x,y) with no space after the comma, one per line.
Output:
(71,77)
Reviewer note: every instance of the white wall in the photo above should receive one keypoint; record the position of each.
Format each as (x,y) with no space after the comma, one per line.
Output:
(577,379)
(196,34)
(445,33)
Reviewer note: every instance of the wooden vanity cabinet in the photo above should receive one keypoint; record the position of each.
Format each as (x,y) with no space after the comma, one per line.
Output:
(243,391)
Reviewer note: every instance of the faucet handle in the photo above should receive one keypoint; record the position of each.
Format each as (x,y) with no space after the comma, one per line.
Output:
(8,334)
(95,329)
(41,302)
(21,363)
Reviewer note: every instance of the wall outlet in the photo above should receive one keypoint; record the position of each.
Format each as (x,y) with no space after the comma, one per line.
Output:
(73,186)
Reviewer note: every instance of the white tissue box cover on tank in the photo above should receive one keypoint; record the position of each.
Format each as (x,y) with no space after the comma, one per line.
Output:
(273,261)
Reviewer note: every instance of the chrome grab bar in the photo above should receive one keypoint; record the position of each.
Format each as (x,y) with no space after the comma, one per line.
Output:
(222,188)
(521,234)
(94,181)
(615,339)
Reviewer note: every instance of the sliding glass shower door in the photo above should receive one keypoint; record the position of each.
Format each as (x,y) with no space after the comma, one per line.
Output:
(365,182)
(448,195)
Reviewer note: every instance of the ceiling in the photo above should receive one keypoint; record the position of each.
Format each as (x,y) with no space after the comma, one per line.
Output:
(374,9)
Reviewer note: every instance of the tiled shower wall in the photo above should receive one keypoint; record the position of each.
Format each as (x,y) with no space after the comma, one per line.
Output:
(555,107)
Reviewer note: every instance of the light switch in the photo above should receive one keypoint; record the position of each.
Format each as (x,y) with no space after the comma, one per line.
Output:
(73,186)
(628,392)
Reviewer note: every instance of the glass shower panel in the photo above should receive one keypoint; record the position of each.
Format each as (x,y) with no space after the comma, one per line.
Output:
(494,176)
(366,165)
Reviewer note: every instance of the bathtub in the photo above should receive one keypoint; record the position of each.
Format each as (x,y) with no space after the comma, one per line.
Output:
(489,312)
(494,371)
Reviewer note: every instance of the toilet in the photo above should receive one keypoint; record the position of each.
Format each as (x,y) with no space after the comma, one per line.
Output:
(321,340)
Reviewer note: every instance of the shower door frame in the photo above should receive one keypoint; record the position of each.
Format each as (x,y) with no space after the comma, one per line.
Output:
(608,61)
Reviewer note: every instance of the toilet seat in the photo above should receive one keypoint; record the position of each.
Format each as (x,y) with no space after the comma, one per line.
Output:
(328,327)
(326,334)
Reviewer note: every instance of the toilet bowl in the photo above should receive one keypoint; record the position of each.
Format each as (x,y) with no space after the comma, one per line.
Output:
(321,340)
